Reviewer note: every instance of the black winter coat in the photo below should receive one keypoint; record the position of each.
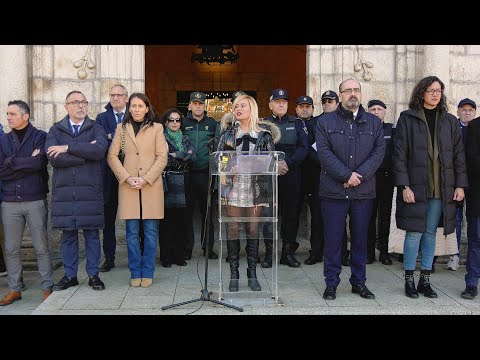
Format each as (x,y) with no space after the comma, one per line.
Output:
(410,162)
(472,151)
(77,185)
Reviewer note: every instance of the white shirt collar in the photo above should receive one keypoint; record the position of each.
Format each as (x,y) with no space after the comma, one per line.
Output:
(72,123)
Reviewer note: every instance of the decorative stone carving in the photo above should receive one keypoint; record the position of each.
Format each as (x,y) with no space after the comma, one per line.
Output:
(363,65)
(85,62)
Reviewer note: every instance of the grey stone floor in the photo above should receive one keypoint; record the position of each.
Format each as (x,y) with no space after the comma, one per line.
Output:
(299,292)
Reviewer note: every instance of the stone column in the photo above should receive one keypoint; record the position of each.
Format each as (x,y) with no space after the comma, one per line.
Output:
(436,61)
(13,74)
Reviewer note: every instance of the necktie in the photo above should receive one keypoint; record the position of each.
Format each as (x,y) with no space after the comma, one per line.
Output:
(119,117)
(75,130)
(245,140)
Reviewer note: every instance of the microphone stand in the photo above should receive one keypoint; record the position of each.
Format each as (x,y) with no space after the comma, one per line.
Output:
(205,295)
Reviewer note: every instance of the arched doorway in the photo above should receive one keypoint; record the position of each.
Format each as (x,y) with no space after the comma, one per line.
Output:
(170,73)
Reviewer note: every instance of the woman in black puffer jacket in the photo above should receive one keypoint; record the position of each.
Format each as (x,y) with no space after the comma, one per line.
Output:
(429,172)
(245,195)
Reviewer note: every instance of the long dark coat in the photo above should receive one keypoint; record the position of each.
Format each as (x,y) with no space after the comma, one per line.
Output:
(77,185)
(472,150)
(410,163)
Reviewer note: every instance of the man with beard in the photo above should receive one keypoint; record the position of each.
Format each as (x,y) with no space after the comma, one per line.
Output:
(350,147)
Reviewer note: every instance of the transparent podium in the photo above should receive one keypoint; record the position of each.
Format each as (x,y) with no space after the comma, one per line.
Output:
(247,200)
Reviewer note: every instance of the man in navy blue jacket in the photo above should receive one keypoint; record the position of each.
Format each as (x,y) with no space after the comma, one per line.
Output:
(350,146)
(76,146)
(109,119)
(23,170)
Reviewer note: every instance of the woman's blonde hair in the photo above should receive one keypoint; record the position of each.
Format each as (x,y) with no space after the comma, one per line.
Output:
(254,120)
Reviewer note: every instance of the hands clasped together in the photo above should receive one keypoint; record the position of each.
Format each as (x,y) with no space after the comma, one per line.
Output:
(136,182)
(355,180)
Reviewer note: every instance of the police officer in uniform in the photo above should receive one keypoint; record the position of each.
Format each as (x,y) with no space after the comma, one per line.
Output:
(293,143)
(201,129)
(310,169)
(382,204)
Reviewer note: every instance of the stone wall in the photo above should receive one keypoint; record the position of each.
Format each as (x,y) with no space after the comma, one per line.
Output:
(92,69)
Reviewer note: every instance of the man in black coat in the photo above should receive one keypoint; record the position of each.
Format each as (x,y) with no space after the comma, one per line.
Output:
(75,147)
(112,117)
(350,147)
(472,149)
(382,205)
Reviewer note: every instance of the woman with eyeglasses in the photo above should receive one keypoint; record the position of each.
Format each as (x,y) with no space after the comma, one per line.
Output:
(430,175)
(140,191)
(173,229)
(246,193)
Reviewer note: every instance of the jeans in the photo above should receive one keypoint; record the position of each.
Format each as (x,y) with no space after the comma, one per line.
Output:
(458,229)
(142,266)
(412,239)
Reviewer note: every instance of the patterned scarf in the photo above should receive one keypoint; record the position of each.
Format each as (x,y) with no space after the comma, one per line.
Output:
(177,138)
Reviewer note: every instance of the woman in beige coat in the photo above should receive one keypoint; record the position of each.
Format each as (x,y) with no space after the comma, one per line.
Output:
(140,191)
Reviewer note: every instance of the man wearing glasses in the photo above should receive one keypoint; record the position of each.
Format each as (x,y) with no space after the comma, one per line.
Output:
(350,148)
(109,119)
(330,103)
(76,146)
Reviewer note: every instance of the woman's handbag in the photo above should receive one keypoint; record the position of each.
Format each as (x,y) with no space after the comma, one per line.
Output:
(121,154)
(174,189)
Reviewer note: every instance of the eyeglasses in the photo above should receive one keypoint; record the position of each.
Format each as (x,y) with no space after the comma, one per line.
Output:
(434,91)
(117,95)
(351,91)
(324,101)
(175,120)
(77,103)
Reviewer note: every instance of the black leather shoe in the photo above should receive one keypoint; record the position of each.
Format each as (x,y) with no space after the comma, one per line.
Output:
(65,283)
(188,255)
(385,259)
(290,261)
(330,293)
(107,266)
(183,263)
(370,259)
(345,261)
(166,263)
(363,291)
(470,292)
(95,282)
(211,255)
(313,259)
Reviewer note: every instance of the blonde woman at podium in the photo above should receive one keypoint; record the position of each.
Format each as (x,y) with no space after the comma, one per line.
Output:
(245,132)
